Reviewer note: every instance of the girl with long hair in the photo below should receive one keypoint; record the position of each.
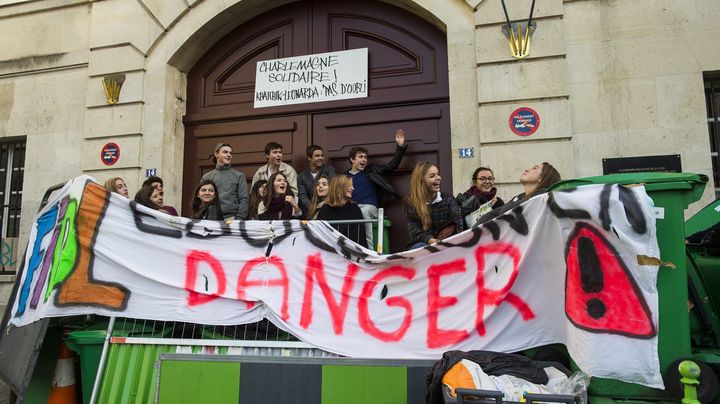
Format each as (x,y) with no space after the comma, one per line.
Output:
(205,204)
(535,180)
(150,197)
(432,215)
(320,192)
(279,202)
(257,194)
(117,185)
(339,206)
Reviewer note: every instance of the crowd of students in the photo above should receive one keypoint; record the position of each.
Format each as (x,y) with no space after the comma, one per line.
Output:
(278,192)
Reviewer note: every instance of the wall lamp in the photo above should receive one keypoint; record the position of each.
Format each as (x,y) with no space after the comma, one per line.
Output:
(518,33)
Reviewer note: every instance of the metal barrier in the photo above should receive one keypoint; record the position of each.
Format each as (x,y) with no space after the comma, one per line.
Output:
(352,228)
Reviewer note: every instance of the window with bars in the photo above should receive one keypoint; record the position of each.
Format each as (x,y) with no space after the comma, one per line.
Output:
(12,170)
(712,100)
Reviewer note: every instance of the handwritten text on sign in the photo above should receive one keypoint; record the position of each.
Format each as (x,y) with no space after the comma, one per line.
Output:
(312,78)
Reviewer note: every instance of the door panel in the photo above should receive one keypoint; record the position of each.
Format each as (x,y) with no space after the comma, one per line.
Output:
(222,83)
(407,57)
(406,53)
(425,134)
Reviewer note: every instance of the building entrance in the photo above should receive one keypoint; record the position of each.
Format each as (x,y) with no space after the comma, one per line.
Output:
(408,89)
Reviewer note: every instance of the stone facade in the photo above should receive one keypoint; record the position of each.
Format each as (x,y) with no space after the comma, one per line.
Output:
(609,78)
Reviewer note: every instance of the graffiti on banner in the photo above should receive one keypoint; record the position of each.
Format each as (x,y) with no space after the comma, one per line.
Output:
(560,268)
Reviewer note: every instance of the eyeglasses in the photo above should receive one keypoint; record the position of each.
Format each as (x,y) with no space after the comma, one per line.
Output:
(485,179)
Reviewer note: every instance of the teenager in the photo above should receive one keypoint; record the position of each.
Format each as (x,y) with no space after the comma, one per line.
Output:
(322,186)
(279,202)
(205,203)
(481,191)
(117,185)
(151,197)
(535,180)
(231,184)
(257,194)
(431,215)
(157,183)
(274,155)
(339,206)
(307,178)
(371,186)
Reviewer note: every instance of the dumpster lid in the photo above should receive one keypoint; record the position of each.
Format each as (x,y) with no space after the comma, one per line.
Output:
(653,181)
(704,219)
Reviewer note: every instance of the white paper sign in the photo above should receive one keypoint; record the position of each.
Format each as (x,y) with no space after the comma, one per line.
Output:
(312,78)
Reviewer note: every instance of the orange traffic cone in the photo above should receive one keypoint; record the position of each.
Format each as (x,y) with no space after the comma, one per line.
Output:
(63,389)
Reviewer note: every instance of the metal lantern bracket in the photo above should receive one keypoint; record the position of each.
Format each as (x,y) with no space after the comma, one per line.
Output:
(522,25)
(518,33)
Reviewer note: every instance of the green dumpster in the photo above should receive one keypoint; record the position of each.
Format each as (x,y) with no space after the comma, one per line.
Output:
(88,345)
(671,193)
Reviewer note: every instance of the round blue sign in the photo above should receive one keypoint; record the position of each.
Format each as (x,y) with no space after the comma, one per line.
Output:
(110,154)
(524,121)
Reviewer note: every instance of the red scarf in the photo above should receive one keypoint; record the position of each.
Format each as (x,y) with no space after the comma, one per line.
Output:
(473,190)
(278,209)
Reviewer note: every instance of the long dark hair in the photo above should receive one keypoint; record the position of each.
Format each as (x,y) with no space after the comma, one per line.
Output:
(255,199)
(270,189)
(143,197)
(199,207)
(548,176)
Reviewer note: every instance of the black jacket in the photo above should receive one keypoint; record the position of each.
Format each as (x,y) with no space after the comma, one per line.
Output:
(211,212)
(376,173)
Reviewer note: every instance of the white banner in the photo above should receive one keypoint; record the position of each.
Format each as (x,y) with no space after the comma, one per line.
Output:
(312,78)
(564,267)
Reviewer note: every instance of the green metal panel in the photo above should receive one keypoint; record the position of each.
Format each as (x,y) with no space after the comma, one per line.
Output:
(364,384)
(130,373)
(704,219)
(199,382)
(708,271)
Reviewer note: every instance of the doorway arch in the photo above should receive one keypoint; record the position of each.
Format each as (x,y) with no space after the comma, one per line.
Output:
(408,88)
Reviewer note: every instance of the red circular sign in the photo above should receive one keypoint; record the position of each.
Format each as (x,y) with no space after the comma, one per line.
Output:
(110,154)
(524,121)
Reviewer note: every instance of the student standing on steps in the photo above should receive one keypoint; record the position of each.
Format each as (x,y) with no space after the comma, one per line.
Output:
(231,184)
(306,180)
(274,155)
(371,188)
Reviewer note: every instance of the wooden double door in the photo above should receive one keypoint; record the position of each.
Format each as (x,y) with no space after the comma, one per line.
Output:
(408,89)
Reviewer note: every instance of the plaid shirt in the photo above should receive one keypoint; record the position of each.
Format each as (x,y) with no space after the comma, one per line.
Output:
(441,213)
